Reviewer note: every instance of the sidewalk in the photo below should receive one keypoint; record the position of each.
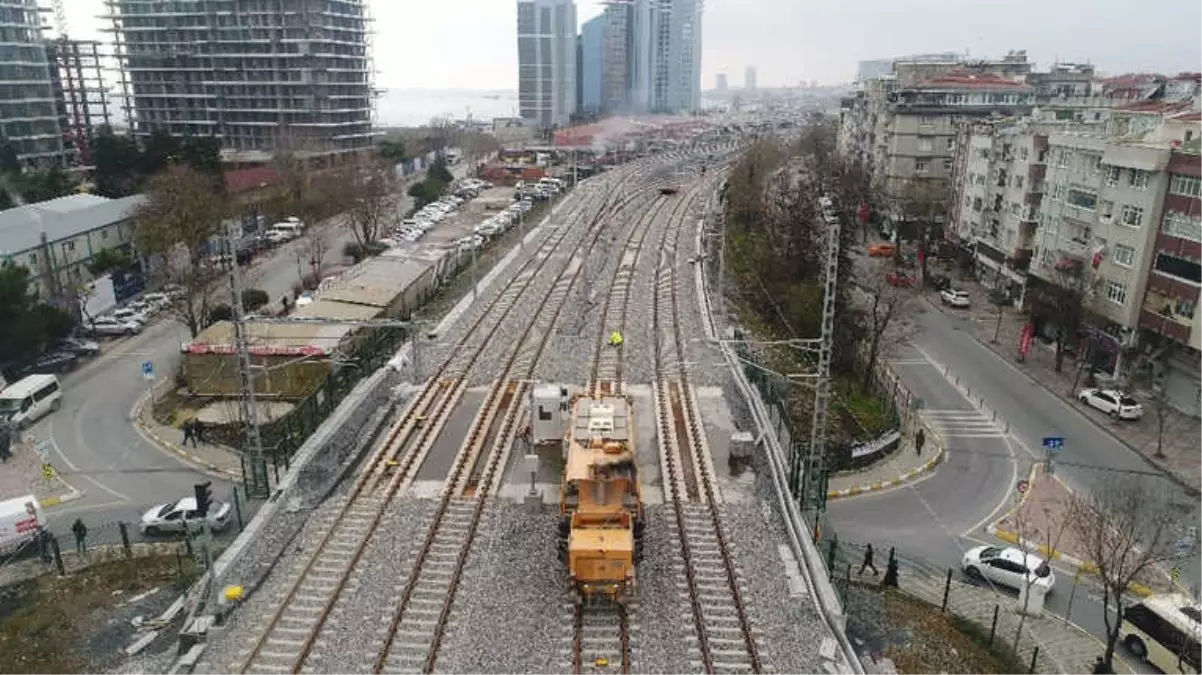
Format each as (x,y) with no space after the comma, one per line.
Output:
(216,460)
(22,475)
(1181,433)
(901,466)
(1040,517)
(1063,647)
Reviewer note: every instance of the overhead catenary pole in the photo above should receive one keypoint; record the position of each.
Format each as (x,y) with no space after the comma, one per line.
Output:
(256,480)
(822,389)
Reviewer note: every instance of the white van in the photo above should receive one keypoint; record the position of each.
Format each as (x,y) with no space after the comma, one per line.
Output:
(292,228)
(25,401)
(20,521)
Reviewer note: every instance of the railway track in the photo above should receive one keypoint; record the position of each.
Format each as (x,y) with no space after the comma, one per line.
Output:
(601,638)
(725,639)
(291,632)
(438,566)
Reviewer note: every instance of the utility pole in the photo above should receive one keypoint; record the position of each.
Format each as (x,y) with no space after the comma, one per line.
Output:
(257,485)
(815,469)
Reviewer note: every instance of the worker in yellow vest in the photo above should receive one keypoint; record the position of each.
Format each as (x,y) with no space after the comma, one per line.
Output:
(615,339)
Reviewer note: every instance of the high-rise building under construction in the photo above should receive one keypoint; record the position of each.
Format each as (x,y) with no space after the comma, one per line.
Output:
(255,73)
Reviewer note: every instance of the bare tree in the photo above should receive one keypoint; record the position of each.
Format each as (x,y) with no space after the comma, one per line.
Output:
(369,188)
(1065,299)
(887,303)
(173,227)
(1126,527)
(925,204)
(315,243)
(1038,527)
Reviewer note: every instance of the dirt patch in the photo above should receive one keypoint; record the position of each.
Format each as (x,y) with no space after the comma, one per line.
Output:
(917,637)
(82,622)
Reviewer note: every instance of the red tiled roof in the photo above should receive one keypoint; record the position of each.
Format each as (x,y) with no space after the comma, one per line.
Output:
(1187,76)
(965,80)
(1154,106)
(241,180)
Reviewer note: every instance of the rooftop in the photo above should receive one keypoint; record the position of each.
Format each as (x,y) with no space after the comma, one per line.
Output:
(272,339)
(967,80)
(241,180)
(63,218)
(1157,106)
(376,282)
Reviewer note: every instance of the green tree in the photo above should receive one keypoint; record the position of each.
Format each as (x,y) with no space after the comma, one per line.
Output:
(40,186)
(438,171)
(23,323)
(159,150)
(425,192)
(254,298)
(202,153)
(391,148)
(107,260)
(116,158)
(6,200)
(182,213)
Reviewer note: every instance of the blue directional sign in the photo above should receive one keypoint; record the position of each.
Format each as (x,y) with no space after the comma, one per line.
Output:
(1053,444)
(148,370)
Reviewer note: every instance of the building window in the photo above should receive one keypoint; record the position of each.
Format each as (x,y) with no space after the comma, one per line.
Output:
(1138,179)
(1133,216)
(926,120)
(68,246)
(104,234)
(1187,186)
(947,166)
(1058,192)
(976,204)
(920,165)
(1124,255)
(1106,209)
(1082,199)
(1018,181)
(1112,176)
(1116,292)
(1178,224)
(951,143)
(1062,158)
(1023,153)
(33,258)
(926,144)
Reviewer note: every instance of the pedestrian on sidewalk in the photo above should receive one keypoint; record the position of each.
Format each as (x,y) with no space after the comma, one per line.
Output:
(920,439)
(188,430)
(868,561)
(198,432)
(81,536)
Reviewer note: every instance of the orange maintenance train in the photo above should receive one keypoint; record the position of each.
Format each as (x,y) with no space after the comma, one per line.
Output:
(601,506)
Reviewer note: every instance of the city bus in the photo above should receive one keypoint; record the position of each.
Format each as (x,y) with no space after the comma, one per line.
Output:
(1164,630)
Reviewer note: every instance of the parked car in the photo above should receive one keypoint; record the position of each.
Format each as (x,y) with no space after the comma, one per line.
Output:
(56,362)
(939,282)
(1008,566)
(1112,402)
(955,298)
(882,250)
(111,326)
(174,517)
(130,314)
(899,279)
(78,347)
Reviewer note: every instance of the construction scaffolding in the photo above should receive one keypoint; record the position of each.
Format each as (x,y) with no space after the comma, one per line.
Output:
(80,98)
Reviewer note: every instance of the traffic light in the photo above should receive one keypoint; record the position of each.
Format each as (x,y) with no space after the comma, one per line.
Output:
(204,498)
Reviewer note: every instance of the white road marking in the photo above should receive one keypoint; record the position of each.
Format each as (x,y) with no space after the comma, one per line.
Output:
(75,469)
(963,423)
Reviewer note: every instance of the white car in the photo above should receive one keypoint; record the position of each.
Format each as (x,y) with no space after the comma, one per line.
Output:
(174,517)
(130,314)
(1008,566)
(277,237)
(106,325)
(160,300)
(955,298)
(1113,403)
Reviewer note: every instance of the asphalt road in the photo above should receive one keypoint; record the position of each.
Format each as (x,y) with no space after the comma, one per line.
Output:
(945,514)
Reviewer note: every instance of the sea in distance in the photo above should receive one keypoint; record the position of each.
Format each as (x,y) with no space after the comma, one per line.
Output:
(416,107)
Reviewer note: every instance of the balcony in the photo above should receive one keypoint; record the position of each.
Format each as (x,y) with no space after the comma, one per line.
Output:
(1074,249)
(1161,319)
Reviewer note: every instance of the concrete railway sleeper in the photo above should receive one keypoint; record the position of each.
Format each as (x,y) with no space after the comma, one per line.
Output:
(725,640)
(307,605)
(600,632)
(420,639)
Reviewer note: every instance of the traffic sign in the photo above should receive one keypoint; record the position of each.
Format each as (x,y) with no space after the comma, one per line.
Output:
(1023,486)
(148,370)
(43,448)
(1053,444)
(1175,573)
(47,471)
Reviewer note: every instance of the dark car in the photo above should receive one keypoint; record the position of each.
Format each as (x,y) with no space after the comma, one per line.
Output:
(49,364)
(78,347)
(940,282)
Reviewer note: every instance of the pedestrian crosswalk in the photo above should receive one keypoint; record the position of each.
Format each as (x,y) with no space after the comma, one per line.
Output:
(962,423)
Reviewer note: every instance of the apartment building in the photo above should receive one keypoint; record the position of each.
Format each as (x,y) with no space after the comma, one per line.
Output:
(254,73)
(547,61)
(1169,316)
(55,240)
(28,106)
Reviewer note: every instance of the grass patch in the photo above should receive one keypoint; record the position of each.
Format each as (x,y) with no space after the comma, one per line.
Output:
(941,643)
(46,623)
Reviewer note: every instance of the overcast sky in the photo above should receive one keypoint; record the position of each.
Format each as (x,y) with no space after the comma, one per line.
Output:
(471,43)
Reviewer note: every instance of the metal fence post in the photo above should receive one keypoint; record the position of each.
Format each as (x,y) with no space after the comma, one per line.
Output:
(237,508)
(947,589)
(830,554)
(1034,657)
(993,628)
(129,552)
(58,556)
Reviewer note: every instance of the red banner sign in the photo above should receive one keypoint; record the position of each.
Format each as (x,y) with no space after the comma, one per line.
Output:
(863,214)
(1025,340)
(255,350)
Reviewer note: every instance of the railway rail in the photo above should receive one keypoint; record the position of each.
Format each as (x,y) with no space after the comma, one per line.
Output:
(291,632)
(438,567)
(725,638)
